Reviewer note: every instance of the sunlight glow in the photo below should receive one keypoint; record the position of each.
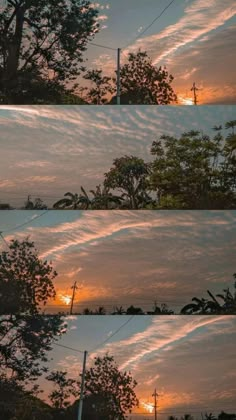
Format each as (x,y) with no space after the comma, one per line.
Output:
(148,407)
(185,101)
(65,299)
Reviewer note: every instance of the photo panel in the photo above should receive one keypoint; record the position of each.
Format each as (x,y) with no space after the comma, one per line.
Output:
(108,52)
(119,262)
(70,157)
(133,367)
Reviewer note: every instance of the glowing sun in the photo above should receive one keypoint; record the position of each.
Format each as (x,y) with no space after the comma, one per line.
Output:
(148,407)
(185,100)
(65,299)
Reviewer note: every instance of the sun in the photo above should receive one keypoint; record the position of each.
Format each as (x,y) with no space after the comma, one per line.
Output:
(185,100)
(148,407)
(65,299)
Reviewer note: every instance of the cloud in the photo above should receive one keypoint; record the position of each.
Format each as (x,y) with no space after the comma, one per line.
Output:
(102,17)
(182,33)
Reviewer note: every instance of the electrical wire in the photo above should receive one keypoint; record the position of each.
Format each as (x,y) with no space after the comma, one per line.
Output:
(100,344)
(149,26)
(112,335)
(69,348)
(103,46)
(26,223)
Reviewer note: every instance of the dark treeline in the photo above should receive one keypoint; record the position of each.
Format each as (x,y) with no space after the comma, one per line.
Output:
(17,403)
(27,285)
(191,172)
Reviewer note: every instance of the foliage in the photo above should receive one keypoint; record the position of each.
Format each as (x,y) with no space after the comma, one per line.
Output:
(102,199)
(64,388)
(114,388)
(142,83)
(213,306)
(5,206)
(101,87)
(41,45)
(38,204)
(129,174)
(18,403)
(26,281)
(25,341)
(194,172)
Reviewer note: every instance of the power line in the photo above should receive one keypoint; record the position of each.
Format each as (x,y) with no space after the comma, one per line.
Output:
(112,335)
(69,348)
(26,223)
(149,26)
(103,46)
(103,342)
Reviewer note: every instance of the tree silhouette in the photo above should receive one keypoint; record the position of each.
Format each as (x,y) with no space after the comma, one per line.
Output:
(101,87)
(193,172)
(24,343)
(26,281)
(129,175)
(142,83)
(72,202)
(230,124)
(212,305)
(115,388)
(64,388)
(38,204)
(42,41)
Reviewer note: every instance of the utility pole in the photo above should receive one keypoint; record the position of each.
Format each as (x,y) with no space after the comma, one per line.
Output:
(82,388)
(194,89)
(74,287)
(155,395)
(118,77)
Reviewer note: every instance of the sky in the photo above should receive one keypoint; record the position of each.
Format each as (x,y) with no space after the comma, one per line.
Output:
(130,257)
(195,40)
(189,360)
(47,151)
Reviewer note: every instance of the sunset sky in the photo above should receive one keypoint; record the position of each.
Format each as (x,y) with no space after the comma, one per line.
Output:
(49,150)
(130,257)
(195,39)
(190,360)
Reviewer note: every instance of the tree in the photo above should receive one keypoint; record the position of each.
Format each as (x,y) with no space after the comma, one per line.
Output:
(42,43)
(142,83)
(24,343)
(130,175)
(72,201)
(213,306)
(230,124)
(18,403)
(161,310)
(101,87)
(104,199)
(114,389)
(5,206)
(132,310)
(26,281)
(38,204)
(64,389)
(193,172)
